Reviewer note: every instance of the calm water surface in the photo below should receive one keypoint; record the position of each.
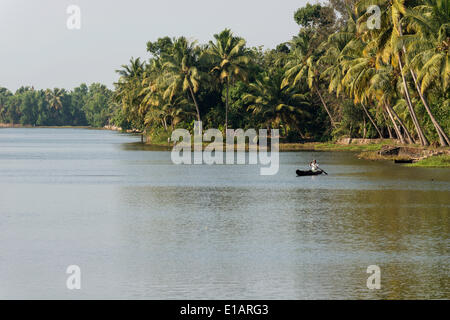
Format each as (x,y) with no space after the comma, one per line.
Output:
(140,227)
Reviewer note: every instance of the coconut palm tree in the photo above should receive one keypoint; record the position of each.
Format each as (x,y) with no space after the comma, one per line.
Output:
(167,111)
(181,70)
(275,104)
(230,60)
(427,47)
(368,80)
(339,48)
(128,91)
(384,41)
(54,98)
(383,88)
(302,67)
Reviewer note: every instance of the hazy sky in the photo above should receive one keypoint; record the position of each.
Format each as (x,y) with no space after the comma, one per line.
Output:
(38,49)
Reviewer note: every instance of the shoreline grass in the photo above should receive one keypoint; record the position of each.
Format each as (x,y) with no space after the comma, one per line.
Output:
(441,161)
(330,146)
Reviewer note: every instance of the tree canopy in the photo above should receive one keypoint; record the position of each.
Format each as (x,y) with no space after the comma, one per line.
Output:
(336,77)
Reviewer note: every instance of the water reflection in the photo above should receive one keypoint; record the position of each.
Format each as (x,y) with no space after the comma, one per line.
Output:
(291,244)
(140,227)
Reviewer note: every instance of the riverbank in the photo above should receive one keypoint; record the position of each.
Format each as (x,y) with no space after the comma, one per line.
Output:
(107,127)
(442,161)
(382,149)
(417,156)
(27,126)
(369,149)
(329,146)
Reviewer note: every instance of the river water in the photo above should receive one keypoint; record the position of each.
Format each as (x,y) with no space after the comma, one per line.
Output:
(140,227)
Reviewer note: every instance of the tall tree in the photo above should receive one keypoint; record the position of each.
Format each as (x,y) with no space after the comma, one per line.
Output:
(181,68)
(302,67)
(427,46)
(55,98)
(384,40)
(276,105)
(230,61)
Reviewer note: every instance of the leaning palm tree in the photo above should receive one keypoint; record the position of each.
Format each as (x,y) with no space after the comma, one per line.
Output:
(302,67)
(427,47)
(383,89)
(384,41)
(181,69)
(361,68)
(339,47)
(230,61)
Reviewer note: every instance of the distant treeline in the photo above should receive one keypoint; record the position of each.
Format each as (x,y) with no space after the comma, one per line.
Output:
(83,106)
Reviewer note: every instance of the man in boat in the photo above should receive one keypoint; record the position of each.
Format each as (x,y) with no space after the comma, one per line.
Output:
(314,166)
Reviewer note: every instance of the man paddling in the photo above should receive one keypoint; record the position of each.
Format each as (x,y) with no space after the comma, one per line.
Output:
(314,166)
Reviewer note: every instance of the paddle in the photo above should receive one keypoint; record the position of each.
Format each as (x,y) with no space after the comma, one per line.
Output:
(323,171)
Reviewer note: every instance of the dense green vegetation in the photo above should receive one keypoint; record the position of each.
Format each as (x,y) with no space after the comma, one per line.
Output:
(83,106)
(336,77)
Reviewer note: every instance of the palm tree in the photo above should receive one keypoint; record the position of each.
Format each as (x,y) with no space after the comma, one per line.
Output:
(167,111)
(383,88)
(181,69)
(54,98)
(384,40)
(276,104)
(230,61)
(366,79)
(339,44)
(128,91)
(428,51)
(302,67)
(134,70)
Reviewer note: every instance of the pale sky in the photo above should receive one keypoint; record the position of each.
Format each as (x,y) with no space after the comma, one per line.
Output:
(38,49)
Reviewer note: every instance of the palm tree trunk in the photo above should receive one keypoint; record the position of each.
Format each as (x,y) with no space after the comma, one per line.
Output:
(443,138)
(407,134)
(325,106)
(397,130)
(372,121)
(226,104)
(364,128)
(195,102)
(387,125)
(422,138)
